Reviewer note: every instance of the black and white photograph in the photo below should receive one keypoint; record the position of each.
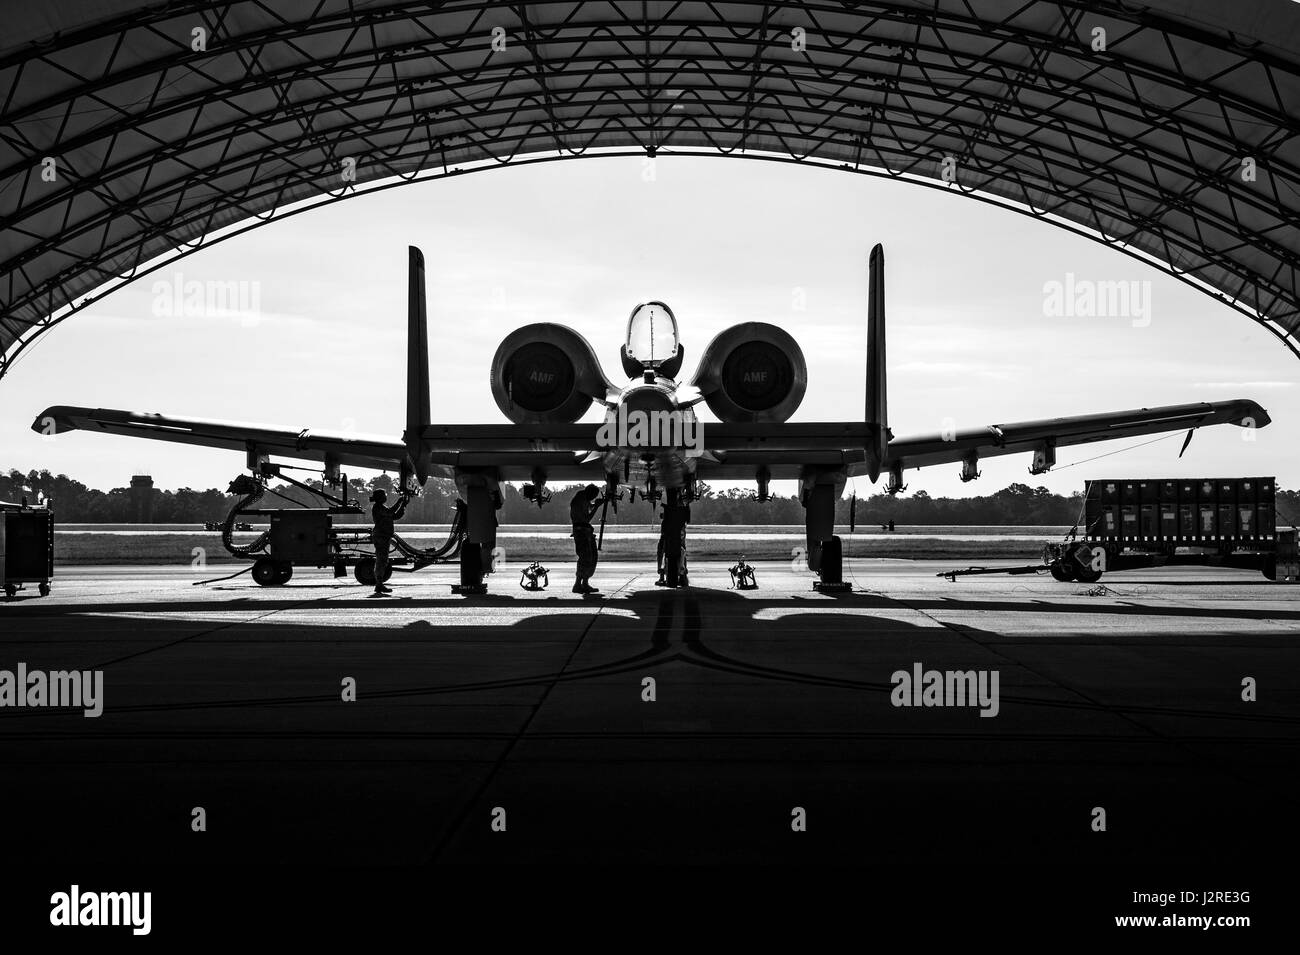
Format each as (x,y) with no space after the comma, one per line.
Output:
(459,453)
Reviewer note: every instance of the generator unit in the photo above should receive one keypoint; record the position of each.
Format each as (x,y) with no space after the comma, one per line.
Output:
(302,536)
(26,548)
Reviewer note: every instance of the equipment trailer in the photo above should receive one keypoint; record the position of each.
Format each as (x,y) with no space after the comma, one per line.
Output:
(26,547)
(1131,524)
(307,536)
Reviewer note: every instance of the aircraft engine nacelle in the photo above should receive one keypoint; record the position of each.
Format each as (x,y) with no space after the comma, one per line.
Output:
(752,373)
(545,373)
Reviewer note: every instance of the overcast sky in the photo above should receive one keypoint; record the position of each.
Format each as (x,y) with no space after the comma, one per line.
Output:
(970,337)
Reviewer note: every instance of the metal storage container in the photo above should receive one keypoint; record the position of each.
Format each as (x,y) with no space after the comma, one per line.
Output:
(26,547)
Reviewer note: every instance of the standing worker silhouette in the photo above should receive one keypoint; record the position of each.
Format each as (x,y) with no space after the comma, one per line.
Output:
(672,542)
(382,535)
(583,506)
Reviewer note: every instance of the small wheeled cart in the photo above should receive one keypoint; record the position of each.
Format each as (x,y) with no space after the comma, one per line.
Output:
(26,547)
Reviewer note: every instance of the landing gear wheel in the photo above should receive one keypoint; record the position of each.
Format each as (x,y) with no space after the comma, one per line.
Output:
(266,572)
(284,573)
(45,590)
(1060,572)
(10,590)
(1087,575)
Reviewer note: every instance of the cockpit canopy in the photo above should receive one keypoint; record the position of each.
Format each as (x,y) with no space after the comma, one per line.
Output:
(651,335)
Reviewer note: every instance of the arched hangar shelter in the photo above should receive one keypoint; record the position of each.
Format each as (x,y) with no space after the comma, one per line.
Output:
(132,133)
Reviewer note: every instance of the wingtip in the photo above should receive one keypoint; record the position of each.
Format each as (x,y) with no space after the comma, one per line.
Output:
(53,420)
(1253,415)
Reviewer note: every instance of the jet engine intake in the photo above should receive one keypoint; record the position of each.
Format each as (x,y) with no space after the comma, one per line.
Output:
(544,373)
(752,373)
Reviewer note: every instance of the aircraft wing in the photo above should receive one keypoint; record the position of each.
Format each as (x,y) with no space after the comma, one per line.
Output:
(567,452)
(346,449)
(735,452)
(925,450)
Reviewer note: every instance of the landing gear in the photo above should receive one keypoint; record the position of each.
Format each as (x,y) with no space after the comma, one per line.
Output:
(831,572)
(674,572)
(825,555)
(482,494)
(471,570)
(672,541)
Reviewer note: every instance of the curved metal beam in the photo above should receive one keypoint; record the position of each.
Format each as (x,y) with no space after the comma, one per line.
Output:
(25,344)
(1133,145)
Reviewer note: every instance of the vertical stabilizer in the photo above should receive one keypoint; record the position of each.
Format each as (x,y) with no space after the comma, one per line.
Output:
(877,414)
(417,366)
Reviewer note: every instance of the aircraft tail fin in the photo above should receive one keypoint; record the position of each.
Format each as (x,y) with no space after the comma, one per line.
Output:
(877,417)
(417,367)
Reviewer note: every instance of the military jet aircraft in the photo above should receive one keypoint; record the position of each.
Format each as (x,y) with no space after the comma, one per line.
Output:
(752,377)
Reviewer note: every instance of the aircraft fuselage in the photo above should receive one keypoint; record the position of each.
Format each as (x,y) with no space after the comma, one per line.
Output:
(650,437)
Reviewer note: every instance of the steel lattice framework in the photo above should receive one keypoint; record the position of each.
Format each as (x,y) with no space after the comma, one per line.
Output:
(131,134)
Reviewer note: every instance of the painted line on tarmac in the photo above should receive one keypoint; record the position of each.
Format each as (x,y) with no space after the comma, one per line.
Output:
(451,831)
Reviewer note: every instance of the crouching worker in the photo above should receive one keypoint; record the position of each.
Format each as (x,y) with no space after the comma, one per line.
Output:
(583,506)
(382,534)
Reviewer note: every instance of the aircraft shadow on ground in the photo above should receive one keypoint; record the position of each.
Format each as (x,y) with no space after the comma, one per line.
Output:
(677,632)
(731,637)
(302,598)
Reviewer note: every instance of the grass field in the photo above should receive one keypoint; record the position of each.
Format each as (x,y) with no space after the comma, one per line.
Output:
(122,545)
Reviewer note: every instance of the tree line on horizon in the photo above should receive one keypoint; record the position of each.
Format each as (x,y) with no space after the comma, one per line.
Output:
(75,503)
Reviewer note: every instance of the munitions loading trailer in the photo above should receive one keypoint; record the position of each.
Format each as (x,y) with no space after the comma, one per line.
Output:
(302,536)
(26,547)
(1131,524)
(1221,522)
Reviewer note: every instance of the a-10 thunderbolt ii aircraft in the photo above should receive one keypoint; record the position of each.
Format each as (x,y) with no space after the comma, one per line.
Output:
(752,377)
